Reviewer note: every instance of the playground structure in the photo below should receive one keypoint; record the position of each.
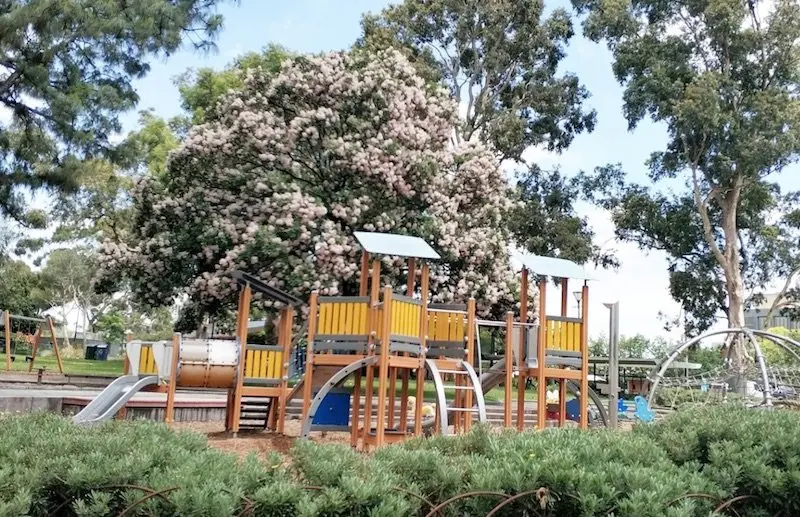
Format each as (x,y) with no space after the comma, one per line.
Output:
(35,338)
(759,380)
(380,335)
(350,335)
(382,341)
(254,376)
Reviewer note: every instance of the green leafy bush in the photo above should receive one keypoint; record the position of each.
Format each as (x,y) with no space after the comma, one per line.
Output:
(685,466)
(751,453)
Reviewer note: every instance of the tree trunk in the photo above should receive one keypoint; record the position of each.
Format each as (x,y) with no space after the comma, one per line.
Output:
(734,284)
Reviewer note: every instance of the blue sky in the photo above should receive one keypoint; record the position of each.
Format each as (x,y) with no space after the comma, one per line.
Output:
(319,25)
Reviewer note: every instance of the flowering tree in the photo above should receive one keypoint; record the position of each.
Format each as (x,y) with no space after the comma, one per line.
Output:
(292,164)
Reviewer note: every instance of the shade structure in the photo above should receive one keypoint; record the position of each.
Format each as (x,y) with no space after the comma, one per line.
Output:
(395,245)
(554,267)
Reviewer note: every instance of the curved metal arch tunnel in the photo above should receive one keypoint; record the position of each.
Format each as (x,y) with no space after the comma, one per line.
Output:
(782,341)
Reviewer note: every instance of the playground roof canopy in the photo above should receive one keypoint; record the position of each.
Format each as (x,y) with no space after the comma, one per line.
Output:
(270,292)
(554,267)
(395,245)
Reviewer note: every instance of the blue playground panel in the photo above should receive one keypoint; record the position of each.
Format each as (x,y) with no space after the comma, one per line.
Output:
(573,410)
(334,410)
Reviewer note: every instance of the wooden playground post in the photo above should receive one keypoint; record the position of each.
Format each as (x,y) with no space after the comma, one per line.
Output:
(523,372)
(7,324)
(404,372)
(126,366)
(55,345)
(37,337)
(285,340)
(364,277)
(241,335)
(169,412)
(374,325)
(584,405)
(509,368)
(363,290)
(384,365)
(470,358)
(423,340)
(541,397)
(562,383)
(392,389)
(309,374)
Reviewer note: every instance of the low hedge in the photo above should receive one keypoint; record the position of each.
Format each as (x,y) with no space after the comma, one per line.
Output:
(688,465)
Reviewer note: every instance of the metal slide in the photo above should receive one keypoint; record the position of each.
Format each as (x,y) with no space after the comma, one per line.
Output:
(113,398)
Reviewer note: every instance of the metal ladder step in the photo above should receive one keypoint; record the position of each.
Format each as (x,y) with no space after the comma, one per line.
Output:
(454,387)
(254,413)
(462,409)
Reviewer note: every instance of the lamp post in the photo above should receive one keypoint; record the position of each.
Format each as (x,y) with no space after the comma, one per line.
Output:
(578,296)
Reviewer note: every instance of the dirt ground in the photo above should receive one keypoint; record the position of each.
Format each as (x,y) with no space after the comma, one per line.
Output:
(262,443)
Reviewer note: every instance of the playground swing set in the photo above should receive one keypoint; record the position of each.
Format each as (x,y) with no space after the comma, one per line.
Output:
(366,345)
(33,339)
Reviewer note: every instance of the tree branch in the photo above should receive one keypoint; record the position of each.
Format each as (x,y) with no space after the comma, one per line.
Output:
(708,230)
(779,300)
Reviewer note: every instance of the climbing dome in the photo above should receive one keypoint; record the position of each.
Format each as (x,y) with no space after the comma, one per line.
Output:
(756,383)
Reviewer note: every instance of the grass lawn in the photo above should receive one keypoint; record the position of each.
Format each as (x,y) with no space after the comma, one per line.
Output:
(110,368)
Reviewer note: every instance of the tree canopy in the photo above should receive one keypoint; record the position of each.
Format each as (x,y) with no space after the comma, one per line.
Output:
(498,58)
(499,61)
(722,76)
(66,74)
(294,163)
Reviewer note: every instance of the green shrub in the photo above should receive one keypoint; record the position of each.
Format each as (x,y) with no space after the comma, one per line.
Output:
(685,466)
(747,452)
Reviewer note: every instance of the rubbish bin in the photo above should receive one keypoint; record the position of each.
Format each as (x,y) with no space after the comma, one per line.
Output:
(102,353)
(90,352)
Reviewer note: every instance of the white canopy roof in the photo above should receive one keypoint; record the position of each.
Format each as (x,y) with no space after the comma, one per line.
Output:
(395,245)
(554,267)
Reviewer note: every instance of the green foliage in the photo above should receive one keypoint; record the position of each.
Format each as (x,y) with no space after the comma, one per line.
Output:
(746,452)
(632,346)
(70,66)
(776,355)
(97,209)
(709,358)
(720,453)
(544,220)
(717,74)
(500,58)
(112,327)
(201,89)
(19,289)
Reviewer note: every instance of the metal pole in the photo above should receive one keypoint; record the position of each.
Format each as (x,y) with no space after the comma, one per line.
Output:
(613,362)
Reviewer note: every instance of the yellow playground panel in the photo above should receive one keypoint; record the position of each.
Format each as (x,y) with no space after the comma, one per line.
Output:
(147,361)
(261,363)
(562,333)
(446,325)
(343,316)
(406,316)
